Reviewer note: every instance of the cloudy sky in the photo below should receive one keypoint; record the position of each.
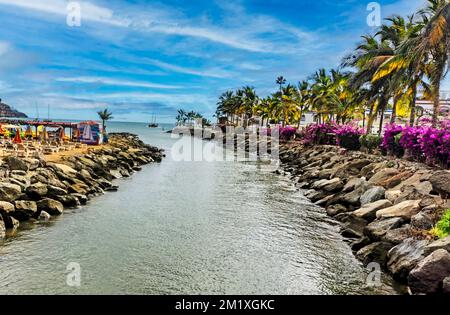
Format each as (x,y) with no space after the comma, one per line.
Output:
(140,58)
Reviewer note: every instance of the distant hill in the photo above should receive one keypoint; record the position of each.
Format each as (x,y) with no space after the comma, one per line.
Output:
(7,111)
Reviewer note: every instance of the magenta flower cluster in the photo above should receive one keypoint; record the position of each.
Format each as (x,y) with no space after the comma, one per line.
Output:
(421,143)
(287,133)
(320,134)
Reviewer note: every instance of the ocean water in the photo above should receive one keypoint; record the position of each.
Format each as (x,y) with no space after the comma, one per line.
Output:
(186,228)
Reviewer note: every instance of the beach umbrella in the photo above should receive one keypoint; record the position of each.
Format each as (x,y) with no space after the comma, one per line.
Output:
(76,133)
(17,138)
(28,132)
(43,135)
(87,132)
(62,133)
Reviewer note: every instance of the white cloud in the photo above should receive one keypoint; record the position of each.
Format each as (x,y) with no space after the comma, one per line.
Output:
(241,32)
(115,82)
(212,73)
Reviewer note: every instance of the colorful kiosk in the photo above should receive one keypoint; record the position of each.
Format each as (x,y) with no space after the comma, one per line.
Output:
(90,132)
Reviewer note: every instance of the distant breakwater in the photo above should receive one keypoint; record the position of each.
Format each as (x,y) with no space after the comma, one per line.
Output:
(35,189)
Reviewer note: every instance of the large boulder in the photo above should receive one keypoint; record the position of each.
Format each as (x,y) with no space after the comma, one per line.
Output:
(396,180)
(373,194)
(441,183)
(83,199)
(9,192)
(65,169)
(397,236)
(405,210)
(375,252)
(51,206)
(354,183)
(15,163)
(53,191)
(6,207)
(351,226)
(377,229)
(383,175)
(69,201)
(25,210)
(427,277)
(79,188)
(424,220)
(37,191)
(368,211)
(404,257)
(443,243)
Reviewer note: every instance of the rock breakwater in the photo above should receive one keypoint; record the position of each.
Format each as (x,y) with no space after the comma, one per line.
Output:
(37,189)
(386,208)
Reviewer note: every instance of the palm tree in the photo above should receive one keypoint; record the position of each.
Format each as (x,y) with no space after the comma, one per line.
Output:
(370,55)
(181,117)
(432,47)
(281,81)
(104,115)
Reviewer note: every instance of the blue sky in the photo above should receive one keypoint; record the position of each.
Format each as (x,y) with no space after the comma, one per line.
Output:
(140,58)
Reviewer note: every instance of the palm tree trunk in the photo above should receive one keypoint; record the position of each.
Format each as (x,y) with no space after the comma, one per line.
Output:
(436,102)
(382,110)
(394,109)
(412,117)
(370,120)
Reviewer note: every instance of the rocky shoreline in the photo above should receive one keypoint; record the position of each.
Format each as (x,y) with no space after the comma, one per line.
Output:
(35,189)
(385,207)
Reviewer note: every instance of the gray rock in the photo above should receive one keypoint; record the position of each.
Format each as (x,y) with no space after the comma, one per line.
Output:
(423,220)
(53,191)
(351,226)
(443,243)
(6,207)
(69,201)
(377,229)
(9,192)
(25,210)
(373,194)
(441,183)
(18,172)
(354,183)
(82,198)
(428,275)
(383,175)
(44,216)
(375,252)
(368,211)
(397,236)
(405,210)
(51,206)
(336,209)
(37,191)
(15,163)
(404,257)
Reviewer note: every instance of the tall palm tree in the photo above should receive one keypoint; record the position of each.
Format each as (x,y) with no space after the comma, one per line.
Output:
(104,115)
(432,47)
(281,81)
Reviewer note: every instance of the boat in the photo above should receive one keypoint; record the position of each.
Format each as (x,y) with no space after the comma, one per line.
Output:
(153,124)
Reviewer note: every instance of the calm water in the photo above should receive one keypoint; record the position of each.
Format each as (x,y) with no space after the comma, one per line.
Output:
(199,227)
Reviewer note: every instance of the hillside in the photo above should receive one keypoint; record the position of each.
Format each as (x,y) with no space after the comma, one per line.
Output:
(7,111)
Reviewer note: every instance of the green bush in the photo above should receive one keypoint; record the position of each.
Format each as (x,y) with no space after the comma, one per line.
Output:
(370,142)
(442,228)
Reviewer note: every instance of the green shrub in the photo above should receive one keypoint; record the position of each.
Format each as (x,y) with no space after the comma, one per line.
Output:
(370,142)
(442,228)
